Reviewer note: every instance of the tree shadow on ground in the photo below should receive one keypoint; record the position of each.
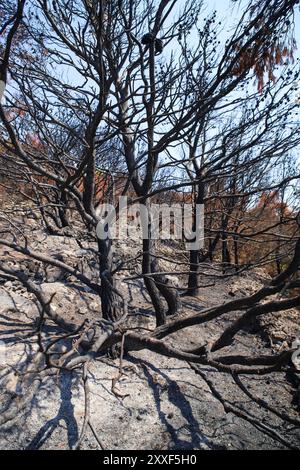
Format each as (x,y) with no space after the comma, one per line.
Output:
(195,439)
(65,413)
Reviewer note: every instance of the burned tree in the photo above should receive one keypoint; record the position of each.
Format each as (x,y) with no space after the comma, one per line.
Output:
(106,85)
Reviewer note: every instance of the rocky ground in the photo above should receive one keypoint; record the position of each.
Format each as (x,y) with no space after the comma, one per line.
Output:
(161,403)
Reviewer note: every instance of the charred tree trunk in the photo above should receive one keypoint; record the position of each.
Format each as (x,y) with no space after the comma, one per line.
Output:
(278,262)
(236,252)
(157,285)
(169,293)
(226,260)
(212,246)
(109,299)
(147,265)
(196,256)
(193,288)
(62,210)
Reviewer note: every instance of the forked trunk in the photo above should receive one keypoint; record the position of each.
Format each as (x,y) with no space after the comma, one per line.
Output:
(109,299)
(151,287)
